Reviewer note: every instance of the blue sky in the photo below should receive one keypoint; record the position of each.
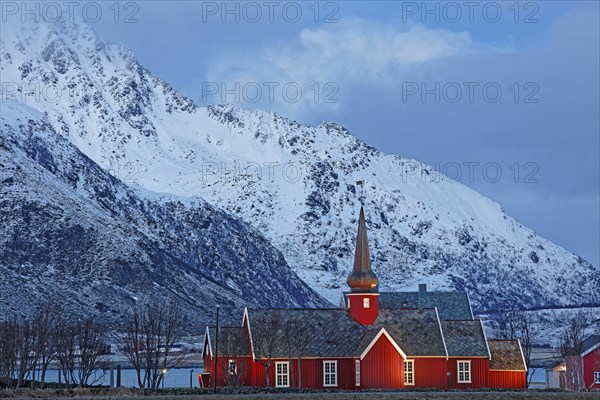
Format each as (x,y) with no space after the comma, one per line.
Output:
(502,96)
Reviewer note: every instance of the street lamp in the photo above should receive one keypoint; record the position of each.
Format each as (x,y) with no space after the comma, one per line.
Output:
(216,360)
(191,374)
(164,373)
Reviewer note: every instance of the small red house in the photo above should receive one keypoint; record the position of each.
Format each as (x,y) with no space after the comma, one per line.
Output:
(591,362)
(583,370)
(507,364)
(373,341)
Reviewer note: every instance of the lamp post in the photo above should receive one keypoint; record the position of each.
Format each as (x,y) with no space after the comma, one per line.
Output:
(164,374)
(191,374)
(216,353)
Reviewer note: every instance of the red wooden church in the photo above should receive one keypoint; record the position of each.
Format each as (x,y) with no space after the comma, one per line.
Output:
(374,340)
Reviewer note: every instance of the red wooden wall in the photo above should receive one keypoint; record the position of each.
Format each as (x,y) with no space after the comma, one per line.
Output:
(430,373)
(365,316)
(382,367)
(480,368)
(591,363)
(508,379)
(312,373)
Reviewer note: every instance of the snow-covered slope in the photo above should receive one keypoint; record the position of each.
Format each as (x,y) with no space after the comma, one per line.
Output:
(69,229)
(295,183)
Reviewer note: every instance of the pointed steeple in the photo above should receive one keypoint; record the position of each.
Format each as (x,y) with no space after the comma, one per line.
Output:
(362,279)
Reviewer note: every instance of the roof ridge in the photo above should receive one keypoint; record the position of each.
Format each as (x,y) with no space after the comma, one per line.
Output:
(298,308)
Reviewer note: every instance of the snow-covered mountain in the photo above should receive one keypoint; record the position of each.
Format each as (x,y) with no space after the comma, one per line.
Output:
(70,230)
(294,183)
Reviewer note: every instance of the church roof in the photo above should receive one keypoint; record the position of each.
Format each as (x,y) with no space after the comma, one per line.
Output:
(334,333)
(450,305)
(416,331)
(506,355)
(321,332)
(465,338)
(233,341)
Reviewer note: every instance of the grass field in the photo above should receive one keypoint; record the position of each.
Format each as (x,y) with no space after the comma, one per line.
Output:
(127,394)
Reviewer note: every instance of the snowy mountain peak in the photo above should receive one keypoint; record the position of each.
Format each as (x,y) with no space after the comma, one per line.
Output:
(293,182)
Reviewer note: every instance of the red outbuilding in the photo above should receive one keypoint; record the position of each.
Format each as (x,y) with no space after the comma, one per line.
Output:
(374,340)
(591,362)
(583,370)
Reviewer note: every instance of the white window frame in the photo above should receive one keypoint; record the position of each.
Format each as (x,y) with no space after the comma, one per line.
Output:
(596,377)
(357,372)
(366,302)
(466,371)
(285,377)
(231,362)
(333,381)
(412,372)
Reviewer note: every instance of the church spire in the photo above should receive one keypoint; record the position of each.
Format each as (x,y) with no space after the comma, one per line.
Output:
(362,279)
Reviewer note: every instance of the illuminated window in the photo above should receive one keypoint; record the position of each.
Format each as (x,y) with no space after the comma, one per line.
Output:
(366,303)
(329,373)
(232,367)
(464,371)
(409,372)
(282,378)
(357,372)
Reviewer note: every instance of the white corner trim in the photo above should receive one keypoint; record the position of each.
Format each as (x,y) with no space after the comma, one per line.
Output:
(343,303)
(485,338)
(247,319)
(207,338)
(522,355)
(470,306)
(412,361)
(382,332)
(441,332)
(588,351)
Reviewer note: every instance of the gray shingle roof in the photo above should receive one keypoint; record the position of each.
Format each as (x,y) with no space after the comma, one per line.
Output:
(465,338)
(232,341)
(416,331)
(589,342)
(506,355)
(450,305)
(319,332)
(333,333)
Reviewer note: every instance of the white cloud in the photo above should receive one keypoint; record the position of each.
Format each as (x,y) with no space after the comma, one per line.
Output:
(349,53)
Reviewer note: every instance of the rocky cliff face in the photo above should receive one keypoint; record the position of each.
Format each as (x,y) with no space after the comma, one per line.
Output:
(70,230)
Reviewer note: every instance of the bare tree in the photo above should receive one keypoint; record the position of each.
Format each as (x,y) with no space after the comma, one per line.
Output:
(45,326)
(80,346)
(266,334)
(519,324)
(290,332)
(234,349)
(91,339)
(26,345)
(66,349)
(296,344)
(152,332)
(570,346)
(8,350)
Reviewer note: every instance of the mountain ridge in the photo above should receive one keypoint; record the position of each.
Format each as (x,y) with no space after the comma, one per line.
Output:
(422,226)
(70,229)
